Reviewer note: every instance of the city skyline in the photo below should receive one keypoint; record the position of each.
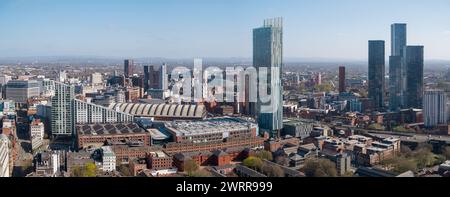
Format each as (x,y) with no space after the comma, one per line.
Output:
(109,89)
(185,30)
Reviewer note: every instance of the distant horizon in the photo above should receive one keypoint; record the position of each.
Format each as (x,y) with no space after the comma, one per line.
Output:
(180,58)
(139,60)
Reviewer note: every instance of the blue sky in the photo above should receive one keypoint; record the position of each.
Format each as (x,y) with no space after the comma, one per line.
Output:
(215,28)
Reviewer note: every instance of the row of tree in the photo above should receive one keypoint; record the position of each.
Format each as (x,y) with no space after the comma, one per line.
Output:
(318,167)
(255,162)
(193,170)
(420,158)
(88,170)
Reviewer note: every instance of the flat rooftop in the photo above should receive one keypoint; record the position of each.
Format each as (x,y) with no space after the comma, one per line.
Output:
(359,137)
(210,126)
(157,135)
(109,129)
(300,121)
(159,154)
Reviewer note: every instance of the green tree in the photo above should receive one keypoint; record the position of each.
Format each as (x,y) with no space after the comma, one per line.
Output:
(406,151)
(272,170)
(424,157)
(402,129)
(264,155)
(420,158)
(402,165)
(319,168)
(282,160)
(125,170)
(201,173)
(190,166)
(376,126)
(253,162)
(439,159)
(76,171)
(326,87)
(90,170)
(446,152)
(348,174)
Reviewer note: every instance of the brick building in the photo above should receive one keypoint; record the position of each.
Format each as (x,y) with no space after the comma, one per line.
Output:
(214,158)
(159,160)
(137,166)
(172,148)
(98,134)
(126,153)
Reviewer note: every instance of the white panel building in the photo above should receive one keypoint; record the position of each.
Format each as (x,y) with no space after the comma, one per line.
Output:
(108,159)
(4,156)
(88,113)
(37,134)
(435,108)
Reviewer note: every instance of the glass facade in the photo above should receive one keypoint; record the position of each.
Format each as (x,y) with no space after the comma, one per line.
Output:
(396,68)
(268,54)
(414,63)
(376,72)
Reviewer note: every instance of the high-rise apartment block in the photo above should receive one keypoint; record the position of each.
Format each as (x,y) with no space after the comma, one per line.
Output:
(376,72)
(268,53)
(341,79)
(155,77)
(62,116)
(128,68)
(414,64)
(397,75)
(435,108)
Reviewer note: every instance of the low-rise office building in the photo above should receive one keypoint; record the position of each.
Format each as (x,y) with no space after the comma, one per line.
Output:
(159,160)
(37,134)
(98,134)
(20,91)
(108,159)
(211,130)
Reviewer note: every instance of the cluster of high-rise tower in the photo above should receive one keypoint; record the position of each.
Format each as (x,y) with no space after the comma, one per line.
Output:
(406,64)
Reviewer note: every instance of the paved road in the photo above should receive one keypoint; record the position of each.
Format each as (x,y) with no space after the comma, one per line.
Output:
(24,156)
(413,137)
(405,136)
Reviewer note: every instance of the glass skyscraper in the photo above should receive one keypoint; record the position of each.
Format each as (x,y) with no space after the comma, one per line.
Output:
(268,53)
(398,38)
(128,68)
(396,68)
(155,77)
(414,63)
(376,72)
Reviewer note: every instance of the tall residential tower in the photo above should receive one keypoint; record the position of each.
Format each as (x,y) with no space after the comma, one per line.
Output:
(62,115)
(435,108)
(376,72)
(414,63)
(268,54)
(397,73)
(128,68)
(341,79)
